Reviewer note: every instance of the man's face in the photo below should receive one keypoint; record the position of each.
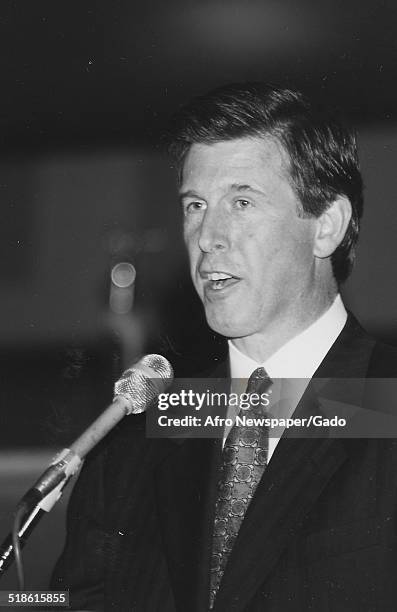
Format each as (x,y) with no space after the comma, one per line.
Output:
(251,255)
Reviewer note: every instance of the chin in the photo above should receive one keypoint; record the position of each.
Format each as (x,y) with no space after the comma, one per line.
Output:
(230,327)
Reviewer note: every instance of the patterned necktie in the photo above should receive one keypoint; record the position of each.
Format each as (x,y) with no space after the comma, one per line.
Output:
(244,461)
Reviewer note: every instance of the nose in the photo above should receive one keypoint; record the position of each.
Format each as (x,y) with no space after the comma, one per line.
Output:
(213,232)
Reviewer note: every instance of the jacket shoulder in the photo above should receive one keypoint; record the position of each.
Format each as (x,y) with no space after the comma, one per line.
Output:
(383,362)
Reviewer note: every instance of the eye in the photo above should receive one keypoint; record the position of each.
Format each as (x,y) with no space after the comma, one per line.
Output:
(193,207)
(243,204)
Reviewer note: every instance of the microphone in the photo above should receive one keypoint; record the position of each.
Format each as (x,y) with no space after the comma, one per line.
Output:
(133,393)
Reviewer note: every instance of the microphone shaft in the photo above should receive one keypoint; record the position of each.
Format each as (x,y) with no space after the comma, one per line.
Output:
(100,427)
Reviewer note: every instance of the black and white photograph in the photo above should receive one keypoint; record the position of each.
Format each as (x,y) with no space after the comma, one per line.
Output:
(198,306)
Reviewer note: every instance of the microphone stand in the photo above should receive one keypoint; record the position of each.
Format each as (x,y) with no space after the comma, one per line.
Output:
(38,500)
(30,520)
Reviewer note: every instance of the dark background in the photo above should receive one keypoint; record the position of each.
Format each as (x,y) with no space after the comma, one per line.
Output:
(87,89)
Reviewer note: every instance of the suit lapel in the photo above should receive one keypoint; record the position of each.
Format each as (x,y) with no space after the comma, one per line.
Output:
(185,483)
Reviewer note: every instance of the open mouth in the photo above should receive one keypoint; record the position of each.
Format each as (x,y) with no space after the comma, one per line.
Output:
(220,280)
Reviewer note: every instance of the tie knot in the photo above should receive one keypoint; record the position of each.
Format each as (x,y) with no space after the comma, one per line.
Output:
(259,380)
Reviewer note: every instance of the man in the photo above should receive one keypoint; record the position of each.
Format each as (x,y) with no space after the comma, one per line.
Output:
(272,197)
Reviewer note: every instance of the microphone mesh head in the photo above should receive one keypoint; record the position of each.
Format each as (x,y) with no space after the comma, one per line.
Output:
(158,364)
(144,381)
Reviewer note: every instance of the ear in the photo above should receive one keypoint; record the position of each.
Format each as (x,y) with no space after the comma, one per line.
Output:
(331,227)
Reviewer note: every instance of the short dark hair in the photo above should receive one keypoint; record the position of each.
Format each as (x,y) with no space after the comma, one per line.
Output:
(321,147)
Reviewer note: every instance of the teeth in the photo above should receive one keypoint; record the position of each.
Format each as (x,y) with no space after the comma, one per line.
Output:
(218,276)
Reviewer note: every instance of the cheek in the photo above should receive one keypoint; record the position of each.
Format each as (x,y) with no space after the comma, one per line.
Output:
(193,253)
(275,256)
(191,232)
(187,235)
(190,242)
(261,248)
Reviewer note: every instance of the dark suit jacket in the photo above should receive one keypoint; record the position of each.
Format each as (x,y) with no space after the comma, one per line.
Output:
(319,534)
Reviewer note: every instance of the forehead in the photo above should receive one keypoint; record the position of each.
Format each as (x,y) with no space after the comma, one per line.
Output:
(255,159)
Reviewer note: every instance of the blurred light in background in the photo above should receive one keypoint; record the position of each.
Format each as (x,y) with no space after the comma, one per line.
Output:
(122,288)
(123,275)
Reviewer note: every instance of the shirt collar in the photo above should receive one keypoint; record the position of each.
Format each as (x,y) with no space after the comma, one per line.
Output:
(301,356)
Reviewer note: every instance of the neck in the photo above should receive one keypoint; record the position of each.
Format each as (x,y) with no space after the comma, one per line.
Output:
(262,345)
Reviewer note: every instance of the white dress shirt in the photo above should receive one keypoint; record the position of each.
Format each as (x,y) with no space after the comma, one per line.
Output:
(298,359)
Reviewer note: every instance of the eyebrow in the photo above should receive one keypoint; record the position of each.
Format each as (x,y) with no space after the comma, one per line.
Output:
(242,187)
(233,187)
(188,194)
